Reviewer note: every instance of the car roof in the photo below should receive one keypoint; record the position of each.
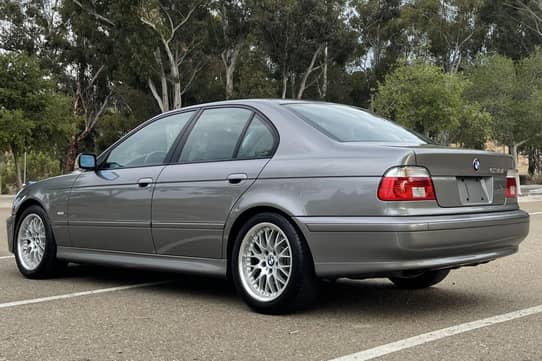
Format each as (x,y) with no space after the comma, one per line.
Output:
(250,102)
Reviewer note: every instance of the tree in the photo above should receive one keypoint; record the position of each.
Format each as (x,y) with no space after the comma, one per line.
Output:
(231,23)
(89,61)
(452,30)
(298,36)
(510,92)
(510,27)
(25,97)
(429,101)
(176,27)
(382,38)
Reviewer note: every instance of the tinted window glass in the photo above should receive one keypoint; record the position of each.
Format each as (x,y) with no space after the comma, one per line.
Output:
(349,124)
(258,141)
(215,135)
(149,145)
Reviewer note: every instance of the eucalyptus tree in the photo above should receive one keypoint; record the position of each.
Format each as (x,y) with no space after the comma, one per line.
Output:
(179,27)
(231,22)
(298,37)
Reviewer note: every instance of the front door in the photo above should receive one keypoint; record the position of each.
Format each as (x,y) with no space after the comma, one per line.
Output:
(110,208)
(223,154)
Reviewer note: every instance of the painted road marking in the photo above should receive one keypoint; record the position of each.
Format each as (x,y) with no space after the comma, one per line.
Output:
(6,257)
(410,342)
(79,294)
(534,213)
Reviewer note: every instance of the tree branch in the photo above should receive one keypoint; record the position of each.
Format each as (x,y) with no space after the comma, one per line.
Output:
(94,13)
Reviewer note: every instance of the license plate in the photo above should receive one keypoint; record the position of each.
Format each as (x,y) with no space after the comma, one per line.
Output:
(475,190)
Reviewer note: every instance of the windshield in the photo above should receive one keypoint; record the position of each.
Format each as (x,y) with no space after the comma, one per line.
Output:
(349,124)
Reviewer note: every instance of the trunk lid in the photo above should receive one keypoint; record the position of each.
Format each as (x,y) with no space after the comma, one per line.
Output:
(463,178)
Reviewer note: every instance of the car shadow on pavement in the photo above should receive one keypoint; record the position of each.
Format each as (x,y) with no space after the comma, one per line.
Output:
(376,296)
(380,297)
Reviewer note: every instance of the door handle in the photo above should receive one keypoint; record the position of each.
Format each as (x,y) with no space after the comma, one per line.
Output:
(143,182)
(237,178)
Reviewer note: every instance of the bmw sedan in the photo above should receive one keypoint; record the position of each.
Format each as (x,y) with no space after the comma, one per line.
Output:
(275,195)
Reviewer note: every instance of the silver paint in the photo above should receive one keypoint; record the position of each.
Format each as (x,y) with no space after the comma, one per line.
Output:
(183,219)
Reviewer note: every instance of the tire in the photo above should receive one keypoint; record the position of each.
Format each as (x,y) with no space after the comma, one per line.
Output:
(47,265)
(424,280)
(290,283)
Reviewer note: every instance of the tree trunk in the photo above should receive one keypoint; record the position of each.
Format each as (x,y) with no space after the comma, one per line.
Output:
(324,81)
(284,84)
(308,72)
(229,82)
(229,58)
(71,155)
(18,179)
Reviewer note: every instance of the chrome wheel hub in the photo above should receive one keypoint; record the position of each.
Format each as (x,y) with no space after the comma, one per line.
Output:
(265,261)
(31,240)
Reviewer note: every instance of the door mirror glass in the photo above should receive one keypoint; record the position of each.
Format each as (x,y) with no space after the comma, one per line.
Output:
(86,161)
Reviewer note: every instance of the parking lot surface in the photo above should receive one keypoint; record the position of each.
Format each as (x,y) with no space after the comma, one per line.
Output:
(196,318)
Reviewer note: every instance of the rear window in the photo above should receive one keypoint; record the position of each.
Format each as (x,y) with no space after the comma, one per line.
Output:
(349,124)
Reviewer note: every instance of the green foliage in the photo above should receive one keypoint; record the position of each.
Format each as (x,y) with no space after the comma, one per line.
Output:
(23,98)
(511,92)
(424,98)
(77,75)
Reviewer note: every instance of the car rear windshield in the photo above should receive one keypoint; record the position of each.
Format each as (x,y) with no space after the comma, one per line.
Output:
(350,124)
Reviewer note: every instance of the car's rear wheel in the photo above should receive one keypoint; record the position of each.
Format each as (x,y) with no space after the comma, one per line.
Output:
(421,280)
(271,265)
(35,247)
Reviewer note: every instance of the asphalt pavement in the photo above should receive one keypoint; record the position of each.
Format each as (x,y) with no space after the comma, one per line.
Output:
(89,313)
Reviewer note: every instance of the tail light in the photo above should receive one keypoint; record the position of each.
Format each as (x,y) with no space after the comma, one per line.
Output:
(406,184)
(511,186)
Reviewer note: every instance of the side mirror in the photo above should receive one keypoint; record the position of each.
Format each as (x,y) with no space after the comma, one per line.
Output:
(86,161)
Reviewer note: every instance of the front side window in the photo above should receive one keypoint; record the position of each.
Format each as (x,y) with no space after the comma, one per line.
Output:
(349,124)
(150,145)
(215,135)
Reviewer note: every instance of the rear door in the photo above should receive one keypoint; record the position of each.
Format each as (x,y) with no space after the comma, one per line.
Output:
(219,159)
(110,208)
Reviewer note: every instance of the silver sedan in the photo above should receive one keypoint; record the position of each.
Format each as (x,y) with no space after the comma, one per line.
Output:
(275,195)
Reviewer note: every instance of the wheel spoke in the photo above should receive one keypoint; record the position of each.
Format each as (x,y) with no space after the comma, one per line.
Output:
(31,241)
(265,261)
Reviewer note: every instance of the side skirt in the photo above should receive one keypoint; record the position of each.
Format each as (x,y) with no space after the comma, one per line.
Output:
(203,266)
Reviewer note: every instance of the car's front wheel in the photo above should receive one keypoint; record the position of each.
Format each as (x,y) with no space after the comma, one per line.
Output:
(35,247)
(422,280)
(271,265)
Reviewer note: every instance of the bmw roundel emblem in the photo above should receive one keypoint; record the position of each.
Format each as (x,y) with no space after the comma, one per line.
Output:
(476,164)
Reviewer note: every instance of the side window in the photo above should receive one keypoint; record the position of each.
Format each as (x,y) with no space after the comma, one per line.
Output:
(149,145)
(215,135)
(258,141)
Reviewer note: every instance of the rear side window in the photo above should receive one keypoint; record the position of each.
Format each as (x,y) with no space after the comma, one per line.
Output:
(215,135)
(349,124)
(258,141)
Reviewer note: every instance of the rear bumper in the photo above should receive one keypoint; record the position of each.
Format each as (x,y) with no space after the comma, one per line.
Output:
(368,246)
(9,229)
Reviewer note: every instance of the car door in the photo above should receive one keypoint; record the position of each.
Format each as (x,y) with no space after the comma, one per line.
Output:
(110,208)
(220,158)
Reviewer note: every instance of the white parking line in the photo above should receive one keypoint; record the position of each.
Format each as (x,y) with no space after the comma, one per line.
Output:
(6,257)
(79,294)
(534,213)
(386,349)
